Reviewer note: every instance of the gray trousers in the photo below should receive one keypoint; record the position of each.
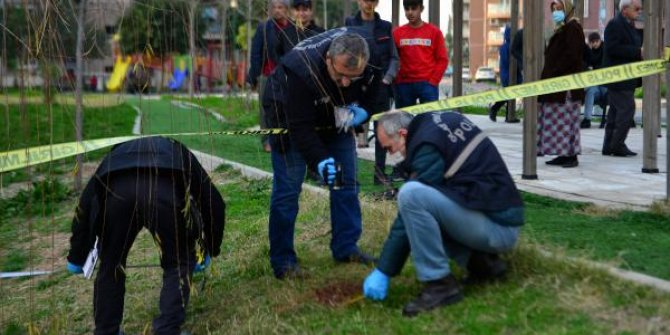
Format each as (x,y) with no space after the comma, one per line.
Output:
(622,110)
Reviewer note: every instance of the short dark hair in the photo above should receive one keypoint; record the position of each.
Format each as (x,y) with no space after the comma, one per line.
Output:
(412,3)
(594,37)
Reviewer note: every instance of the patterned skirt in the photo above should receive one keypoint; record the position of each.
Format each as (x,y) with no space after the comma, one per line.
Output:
(558,129)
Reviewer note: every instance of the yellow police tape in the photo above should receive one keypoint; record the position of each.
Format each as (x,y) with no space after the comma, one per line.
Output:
(16,159)
(558,84)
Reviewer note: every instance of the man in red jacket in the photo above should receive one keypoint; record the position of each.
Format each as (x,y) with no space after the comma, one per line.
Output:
(423,57)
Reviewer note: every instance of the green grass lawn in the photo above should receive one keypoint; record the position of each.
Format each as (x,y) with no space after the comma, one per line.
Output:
(240,295)
(35,124)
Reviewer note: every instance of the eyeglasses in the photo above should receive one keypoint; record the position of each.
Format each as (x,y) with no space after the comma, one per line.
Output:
(339,75)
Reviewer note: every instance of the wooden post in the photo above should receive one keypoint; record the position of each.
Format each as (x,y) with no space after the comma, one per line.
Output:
(395,12)
(434,14)
(579,11)
(191,43)
(533,57)
(651,103)
(457,61)
(514,27)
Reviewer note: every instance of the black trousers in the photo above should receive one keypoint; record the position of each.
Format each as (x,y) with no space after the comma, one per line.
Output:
(622,110)
(134,199)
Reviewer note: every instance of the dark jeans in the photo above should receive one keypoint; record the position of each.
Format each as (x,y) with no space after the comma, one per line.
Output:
(345,212)
(622,110)
(136,199)
(408,93)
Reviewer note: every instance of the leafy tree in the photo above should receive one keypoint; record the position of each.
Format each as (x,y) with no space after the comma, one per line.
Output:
(160,26)
(26,35)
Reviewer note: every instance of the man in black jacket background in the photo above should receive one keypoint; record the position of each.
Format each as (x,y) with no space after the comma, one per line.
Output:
(157,183)
(623,44)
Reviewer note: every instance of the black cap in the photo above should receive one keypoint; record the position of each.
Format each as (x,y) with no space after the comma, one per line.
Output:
(306,3)
(594,37)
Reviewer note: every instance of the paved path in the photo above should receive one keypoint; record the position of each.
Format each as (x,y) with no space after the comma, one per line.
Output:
(604,180)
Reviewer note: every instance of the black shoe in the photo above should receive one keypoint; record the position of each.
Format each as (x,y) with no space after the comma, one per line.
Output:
(484,267)
(570,162)
(358,257)
(607,152)
(381,180)
(560,160)
(512,121)
(436,293)
(291,273)
(586,124)
(397,174)
(492,114)
(623,152)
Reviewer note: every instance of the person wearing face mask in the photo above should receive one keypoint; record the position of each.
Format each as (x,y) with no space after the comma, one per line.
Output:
(387,69)
(302,27)
(623,44)
(558,120)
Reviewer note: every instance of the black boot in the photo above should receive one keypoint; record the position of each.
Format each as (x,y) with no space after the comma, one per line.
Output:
(492,113)
(484,267)
(586,124)
(560,160)
(570,162)
(436,293)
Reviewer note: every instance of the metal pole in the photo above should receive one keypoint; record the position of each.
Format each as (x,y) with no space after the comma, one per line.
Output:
(457,76)
(224,56)
(514,27)
(434,14)
(533,56)
(395,12)
(667,105)
(651,103)
(79,103)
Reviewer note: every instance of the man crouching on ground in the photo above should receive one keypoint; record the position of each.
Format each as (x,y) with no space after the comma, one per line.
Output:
(460,203)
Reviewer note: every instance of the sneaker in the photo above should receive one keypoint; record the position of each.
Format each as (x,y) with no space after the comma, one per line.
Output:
(484,267)
(358,257)
(397,174)
(436,293)
(492,114)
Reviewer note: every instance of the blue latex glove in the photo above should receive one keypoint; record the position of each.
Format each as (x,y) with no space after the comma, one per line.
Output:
(203,265)
(74,269)
(360,115)
(375,285)
(327,164)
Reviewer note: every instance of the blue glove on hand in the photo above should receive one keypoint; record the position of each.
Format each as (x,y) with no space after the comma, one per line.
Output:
(327,167)
(203,265)
(74,269)
(360,115)
(375,285)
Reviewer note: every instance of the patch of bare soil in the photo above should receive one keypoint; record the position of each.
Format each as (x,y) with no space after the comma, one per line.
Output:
(338,294)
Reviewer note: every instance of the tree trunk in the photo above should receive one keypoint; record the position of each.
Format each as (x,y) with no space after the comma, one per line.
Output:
(79,81)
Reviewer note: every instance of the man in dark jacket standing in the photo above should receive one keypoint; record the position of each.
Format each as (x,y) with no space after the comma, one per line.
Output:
(312,93)
(157,183)
(387,63)
(623,44)
(263,53)
(460,203)
(302,27)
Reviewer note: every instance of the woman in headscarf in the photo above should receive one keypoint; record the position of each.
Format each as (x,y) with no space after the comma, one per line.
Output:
(558,122)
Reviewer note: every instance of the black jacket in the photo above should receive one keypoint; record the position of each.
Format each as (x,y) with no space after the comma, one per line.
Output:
(623,45)
(301,96)
(594,57)
(154,153)
(262,49)
(291,36)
